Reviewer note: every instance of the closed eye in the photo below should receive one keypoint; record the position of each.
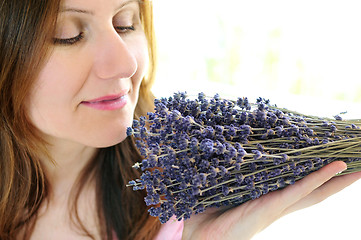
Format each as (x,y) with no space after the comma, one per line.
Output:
(124,29)
(68,41)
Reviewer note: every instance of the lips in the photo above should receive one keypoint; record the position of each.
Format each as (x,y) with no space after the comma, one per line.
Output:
(109,102)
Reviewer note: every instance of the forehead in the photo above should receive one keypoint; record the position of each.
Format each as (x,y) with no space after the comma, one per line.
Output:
(94,5)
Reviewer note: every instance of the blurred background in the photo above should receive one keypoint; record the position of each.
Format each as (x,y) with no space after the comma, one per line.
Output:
(302,55)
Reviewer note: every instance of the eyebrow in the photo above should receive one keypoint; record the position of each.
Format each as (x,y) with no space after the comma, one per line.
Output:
(76,10)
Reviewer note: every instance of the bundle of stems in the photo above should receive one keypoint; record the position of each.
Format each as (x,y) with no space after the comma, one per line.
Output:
(212,152)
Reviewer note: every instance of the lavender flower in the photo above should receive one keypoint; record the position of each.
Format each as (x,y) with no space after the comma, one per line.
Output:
(212,152)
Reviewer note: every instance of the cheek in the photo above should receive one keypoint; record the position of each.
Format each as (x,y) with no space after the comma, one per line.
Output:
(141,53)
(52,96)
(60,79)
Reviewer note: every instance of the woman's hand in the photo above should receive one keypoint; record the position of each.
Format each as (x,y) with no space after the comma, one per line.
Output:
(246,220)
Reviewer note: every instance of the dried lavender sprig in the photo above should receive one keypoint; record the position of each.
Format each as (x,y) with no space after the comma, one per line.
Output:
(211,152)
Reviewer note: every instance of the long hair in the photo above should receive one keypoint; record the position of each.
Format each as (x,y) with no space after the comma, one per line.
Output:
(26,29)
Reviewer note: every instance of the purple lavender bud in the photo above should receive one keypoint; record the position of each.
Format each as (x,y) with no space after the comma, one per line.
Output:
(277,161)
(130,131)
(256,154)
(257,177)
(240,102)
(171,153)
(208,132)
(199,208)
(212,172)
(298,170)
(333,128)
(281,183)
(132,183)
(152,199)
(238,146)
(225,190)
(264,188)
(201,96)
(274,173)
(194,191)
(245,130)
(135,123)
(285,158)
(309,164)
(145,164)
(250,186)
(136,188)
(151,116)
(204,105)
(260,147)
(218,129)
(286,121)
(231,152)
(222,170)
(203,178)
(152,160)
(220,148)
(142,121)
(194,145)
(252,167)
(204,164)
(231,131)
(183,185)
(196,181)
(154,211)
(338,118)
(239,178)
(255,193)
(317,162)
(279,130)
(262,106)
(292,166)
(241,153)
(143,132)
(143,151)
(272,120)
(215,162)
(162,188)
(290,181)
(206,146)
(186,213)
(183,143)
(325,141)
(316,141)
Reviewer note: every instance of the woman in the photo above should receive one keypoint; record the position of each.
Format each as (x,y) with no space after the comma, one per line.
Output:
(73,74)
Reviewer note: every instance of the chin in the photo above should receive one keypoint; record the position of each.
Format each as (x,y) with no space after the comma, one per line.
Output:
(110,138)
(99,143)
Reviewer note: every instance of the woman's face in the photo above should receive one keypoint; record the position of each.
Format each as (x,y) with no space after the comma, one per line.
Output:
(88,89)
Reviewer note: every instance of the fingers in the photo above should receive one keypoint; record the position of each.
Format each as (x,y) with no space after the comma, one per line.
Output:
(326,190)
(293,194)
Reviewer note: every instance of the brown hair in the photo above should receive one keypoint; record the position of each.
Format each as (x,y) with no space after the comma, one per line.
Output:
(25,27)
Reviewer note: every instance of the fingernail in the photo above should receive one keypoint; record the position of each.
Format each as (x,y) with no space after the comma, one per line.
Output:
(340,172)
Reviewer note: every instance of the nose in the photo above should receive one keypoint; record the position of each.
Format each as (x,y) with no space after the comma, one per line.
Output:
(113,57)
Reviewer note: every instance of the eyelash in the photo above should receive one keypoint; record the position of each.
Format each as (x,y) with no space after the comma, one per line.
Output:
(74,40)
(125,29)
(68,41)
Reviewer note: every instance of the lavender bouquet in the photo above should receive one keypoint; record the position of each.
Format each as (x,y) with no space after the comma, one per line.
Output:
(212,152)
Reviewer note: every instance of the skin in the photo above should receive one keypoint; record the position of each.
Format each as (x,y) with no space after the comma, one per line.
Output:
(105,61)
